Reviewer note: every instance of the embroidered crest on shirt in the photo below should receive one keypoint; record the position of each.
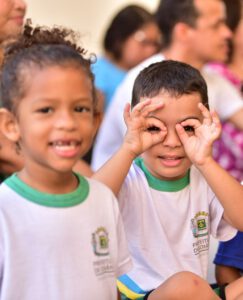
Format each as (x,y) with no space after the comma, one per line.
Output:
(100,241)
(199,227)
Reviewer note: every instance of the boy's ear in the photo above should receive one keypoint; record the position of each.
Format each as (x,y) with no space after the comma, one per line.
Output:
(9,126)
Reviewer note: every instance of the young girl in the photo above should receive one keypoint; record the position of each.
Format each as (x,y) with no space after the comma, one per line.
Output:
(61,234)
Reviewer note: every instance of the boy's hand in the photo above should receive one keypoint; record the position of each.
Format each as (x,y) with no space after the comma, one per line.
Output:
(142,131)
(197,138)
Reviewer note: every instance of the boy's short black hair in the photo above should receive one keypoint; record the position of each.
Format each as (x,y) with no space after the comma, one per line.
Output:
(173,77)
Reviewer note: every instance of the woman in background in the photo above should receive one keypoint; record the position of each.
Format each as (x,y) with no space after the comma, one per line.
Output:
(131,37)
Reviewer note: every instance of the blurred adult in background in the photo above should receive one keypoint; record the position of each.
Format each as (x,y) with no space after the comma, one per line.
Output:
(229,148)
(131,37)
(194,32)
(12,14)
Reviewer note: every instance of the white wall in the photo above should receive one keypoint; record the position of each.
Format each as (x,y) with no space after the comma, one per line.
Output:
(89,17)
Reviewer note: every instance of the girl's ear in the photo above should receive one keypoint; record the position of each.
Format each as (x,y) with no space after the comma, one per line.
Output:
(9,126)
(97,121)
(99,111)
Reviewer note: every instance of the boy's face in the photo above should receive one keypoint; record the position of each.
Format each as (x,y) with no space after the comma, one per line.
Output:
(168,160)
(55,119)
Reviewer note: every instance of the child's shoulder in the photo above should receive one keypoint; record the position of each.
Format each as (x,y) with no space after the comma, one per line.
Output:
(98,187)
(198,182)
(6,194)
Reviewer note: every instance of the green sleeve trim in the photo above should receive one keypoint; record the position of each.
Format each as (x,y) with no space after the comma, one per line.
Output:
(50,200)
(163,185)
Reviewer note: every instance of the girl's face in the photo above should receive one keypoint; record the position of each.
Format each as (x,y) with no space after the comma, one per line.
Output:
(12,14)
(55,119)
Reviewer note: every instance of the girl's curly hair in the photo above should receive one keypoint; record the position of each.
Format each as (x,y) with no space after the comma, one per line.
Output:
(39,47)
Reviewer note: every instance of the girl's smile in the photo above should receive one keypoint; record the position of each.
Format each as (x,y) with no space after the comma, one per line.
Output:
(66,148)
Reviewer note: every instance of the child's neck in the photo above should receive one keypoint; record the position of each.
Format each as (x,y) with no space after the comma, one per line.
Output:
(52,183)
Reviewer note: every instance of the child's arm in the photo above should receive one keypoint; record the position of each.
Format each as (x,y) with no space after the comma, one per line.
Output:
(137,139)
(199,150)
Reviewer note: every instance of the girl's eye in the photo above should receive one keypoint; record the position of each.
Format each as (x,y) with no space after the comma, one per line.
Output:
(82,109)
(189,128)
(45,110)
(153,128)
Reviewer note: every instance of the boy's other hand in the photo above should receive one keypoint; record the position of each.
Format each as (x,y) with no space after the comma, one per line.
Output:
(198,141)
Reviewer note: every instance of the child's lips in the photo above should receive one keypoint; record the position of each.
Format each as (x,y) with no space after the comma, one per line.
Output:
(66,148)
(171,161)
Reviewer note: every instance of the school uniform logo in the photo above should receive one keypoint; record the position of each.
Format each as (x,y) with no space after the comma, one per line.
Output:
(100,242)
(199,227)
(102,264)
(199,224)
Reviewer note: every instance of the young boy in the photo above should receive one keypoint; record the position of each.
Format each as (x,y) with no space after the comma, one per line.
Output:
(175,194)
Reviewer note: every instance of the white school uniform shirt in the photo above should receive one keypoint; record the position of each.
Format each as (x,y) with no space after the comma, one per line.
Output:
(223,97)
(60,247)
(168,226)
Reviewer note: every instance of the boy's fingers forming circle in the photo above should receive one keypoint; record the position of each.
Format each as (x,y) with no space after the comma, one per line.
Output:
(140,106)
(155,124)
(191,122)
(126,112)
(181,133)
(207,118)
(153,107)
(145,107)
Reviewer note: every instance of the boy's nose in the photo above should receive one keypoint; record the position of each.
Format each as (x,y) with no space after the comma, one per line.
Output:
(172,139)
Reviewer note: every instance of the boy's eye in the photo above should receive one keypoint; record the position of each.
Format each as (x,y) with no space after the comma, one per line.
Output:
(189,128)
(153,128)
(82,109)
(45,110)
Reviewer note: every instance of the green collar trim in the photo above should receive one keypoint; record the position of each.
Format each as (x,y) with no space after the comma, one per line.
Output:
(163,185)
(50,200)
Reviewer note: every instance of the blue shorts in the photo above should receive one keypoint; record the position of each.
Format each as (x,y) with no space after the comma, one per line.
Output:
(230,253)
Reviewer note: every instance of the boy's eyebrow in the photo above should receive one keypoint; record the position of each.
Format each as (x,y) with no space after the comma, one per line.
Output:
(185,119)
(190,117)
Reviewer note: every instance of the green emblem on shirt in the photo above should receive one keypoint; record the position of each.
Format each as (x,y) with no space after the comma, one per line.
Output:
(100,241)
(199,224)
